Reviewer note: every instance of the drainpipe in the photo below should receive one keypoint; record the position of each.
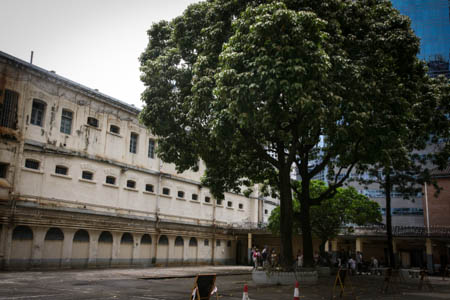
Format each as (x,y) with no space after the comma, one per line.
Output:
(158,192)
(213,246)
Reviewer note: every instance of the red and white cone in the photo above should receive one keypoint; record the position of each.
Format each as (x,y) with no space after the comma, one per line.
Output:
(296,292)
(245,294)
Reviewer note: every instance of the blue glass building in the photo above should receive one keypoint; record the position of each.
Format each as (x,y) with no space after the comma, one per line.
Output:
(430,20)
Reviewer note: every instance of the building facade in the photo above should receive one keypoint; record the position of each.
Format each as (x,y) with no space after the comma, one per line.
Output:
(430,20)
(82,186)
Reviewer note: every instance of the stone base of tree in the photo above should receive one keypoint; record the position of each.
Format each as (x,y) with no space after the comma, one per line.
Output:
(284,278)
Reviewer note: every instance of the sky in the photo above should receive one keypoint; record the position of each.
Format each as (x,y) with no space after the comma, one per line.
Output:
(93,42)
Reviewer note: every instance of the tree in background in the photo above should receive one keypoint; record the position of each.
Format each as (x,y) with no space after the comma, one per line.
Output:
(253,89)
(346,206)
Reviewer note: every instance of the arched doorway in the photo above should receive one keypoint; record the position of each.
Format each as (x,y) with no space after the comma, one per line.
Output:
(80,249)
(21,247)
(126,249)
(145,251)
(53,245)
(179,248)
(193,250)
(104,251)
(163,250)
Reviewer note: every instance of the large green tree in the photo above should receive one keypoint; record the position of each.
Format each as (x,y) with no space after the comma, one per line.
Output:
(254,88)
(346,207)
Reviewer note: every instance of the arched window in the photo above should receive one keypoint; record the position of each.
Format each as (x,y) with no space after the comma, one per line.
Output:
(146,239)
(193,242)
(81,236)
(127,238)
(163,240)
(22,233)
(105,237)
(179,241)
(54,234)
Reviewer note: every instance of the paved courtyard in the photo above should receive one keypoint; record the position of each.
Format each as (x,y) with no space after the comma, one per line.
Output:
(176,283)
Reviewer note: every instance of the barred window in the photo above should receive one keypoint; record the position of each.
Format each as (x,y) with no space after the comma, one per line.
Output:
(194,197)
(114,129)
(131,184)
(166,191)
(32,164)
(8,109)
(149,188)
(111,180)
(62,170)
(92,122)
(87,175)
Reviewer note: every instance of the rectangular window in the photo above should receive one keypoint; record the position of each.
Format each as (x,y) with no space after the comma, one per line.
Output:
(217,243)
(207,199)
(61,170)
(230,204)
(219,201)
(92,122)
(166,191)
(114,129)
(3,170)
(66,121)
(32,164)
(38,112)
(180,194)
(194,197)
(206,242)
(149,188)
(151,148)
(131,184)
(8,109)
(241,206)
(87,175)
(133,142)
(111,180)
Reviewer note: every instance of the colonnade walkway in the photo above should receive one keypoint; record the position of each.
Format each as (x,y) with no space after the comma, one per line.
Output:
(177,282)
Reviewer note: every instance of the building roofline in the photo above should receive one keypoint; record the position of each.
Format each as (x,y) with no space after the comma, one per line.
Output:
(89,91)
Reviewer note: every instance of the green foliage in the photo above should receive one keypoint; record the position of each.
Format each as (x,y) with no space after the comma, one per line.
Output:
(255,87)
(347,206)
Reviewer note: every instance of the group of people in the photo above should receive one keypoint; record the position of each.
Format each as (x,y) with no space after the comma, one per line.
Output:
(355,263)
(264,258)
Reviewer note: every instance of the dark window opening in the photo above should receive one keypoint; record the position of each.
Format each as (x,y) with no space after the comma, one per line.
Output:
(146,239)
(81,236)
(179,241)
(92,122)
(54,234)
(230,204)
(217,243)
(111,180)
(32,164)
(23,233)
(194,197)
(266,211)
(207,199)
(8,109)
(166,191)
(62,170)
(193,242)
(133,142)
(114,129)
(219,201)
(127,238)
(3,170)
(241,206)
(38,112)
(180,194)
(206,243)
(163,240)
(105,237)
(131,184)
(66,121)
(149,188)
(87,175)
(228,243)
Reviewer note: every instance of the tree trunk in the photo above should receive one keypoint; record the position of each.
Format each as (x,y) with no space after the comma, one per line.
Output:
(286,215)
(387,190)
(305,221)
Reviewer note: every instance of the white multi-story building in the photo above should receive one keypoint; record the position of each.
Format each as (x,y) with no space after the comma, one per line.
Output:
(81,184)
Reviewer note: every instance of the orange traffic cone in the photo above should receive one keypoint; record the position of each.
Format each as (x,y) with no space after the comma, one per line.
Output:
(245,294)
(296,292)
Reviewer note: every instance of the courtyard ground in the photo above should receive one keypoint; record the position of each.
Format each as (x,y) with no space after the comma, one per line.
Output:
(176,283)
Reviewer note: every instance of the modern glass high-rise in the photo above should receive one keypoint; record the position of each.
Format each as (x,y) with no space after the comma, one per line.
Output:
(430,20)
